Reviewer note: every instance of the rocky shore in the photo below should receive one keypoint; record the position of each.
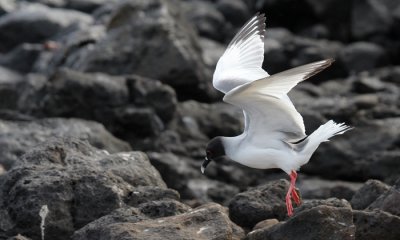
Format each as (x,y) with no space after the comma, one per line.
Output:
(106,108)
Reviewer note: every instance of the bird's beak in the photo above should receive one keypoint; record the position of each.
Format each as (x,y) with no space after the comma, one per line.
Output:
(204,165)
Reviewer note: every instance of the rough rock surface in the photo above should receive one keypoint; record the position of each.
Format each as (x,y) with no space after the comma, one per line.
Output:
(36,23)
(207,222)
(376,224)
(320,222)
(264,202)
(78,182)
(137,75)
(368,193)
(17,137)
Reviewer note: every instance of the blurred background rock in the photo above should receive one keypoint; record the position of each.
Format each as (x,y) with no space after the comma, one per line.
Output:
(136,75)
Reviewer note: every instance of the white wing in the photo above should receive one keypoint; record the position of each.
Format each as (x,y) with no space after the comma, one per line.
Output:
(270,114)
(241,63)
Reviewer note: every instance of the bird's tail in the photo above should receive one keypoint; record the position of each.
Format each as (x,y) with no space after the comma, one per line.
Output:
(322,134)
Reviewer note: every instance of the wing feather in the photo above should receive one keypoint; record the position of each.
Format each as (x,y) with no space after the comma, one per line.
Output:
(241,63)
(268,109)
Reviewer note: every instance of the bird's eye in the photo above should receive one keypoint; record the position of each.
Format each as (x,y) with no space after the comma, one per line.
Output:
(208,152)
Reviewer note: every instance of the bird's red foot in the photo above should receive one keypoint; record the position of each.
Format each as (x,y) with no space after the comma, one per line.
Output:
(292,194)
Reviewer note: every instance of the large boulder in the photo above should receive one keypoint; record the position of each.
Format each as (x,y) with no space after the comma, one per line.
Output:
(183,174)
(370,17)
(36,23)
(362,56)
(131,107)
(23,57)
(206,222)
(315,188)
(9,88)
(78,183)
(376,224)
(388,200)
(260,203)
(155,42)
(320,222)
(18,137)
(350,156)
(368,193)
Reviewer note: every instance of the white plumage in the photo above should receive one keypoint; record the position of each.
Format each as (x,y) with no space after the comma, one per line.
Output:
(273,127)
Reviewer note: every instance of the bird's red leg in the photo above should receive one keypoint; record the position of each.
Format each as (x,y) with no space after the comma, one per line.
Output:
(292,193)
(289,206)
(295,196)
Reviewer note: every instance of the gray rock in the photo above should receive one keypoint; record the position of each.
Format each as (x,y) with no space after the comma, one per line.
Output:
(207,19)
(131,107)
(7,6)
(336,15)
(80,5)
(35,23)
(369,17)
(206,222)
(167,48)
(376,225)
(78,182)
(212,51)
(321,189)
(368,85)
(145,211)
(183,174)
(353,163)
(86,5)
(382,165)
(263,202)
(218,119)
(17,137)
(388,200)
(9,88)
(22,58)
(362,56)
(234,11)
(18,237)
(321,222)
(143,194)
(94,230)
(330,202)
(164,208)
(266,224)
(368,193)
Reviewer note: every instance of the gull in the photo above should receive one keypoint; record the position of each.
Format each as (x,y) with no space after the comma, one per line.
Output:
(274,134)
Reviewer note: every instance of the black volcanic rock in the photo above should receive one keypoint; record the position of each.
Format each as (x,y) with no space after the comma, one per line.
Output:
(131,107)
(36,23)
(368,193)
(263,202)
(387,201)
(17,137)
(9,88)
(156,44)
(78,182)
(320,222)
(361,56)
(22,58)
(370,17)
(206,222)
(376,224)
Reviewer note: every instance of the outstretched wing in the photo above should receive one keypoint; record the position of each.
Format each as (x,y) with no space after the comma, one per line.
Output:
(241,63)
(270,114)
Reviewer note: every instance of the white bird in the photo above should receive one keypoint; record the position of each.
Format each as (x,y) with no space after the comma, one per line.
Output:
(274,134)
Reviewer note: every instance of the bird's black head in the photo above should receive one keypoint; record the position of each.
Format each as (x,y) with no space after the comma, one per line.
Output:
(215,151)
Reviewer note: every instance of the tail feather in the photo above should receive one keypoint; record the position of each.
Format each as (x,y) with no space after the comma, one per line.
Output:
(323,134)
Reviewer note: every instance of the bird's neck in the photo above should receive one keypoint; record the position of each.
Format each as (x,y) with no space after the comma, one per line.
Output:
(231,145)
